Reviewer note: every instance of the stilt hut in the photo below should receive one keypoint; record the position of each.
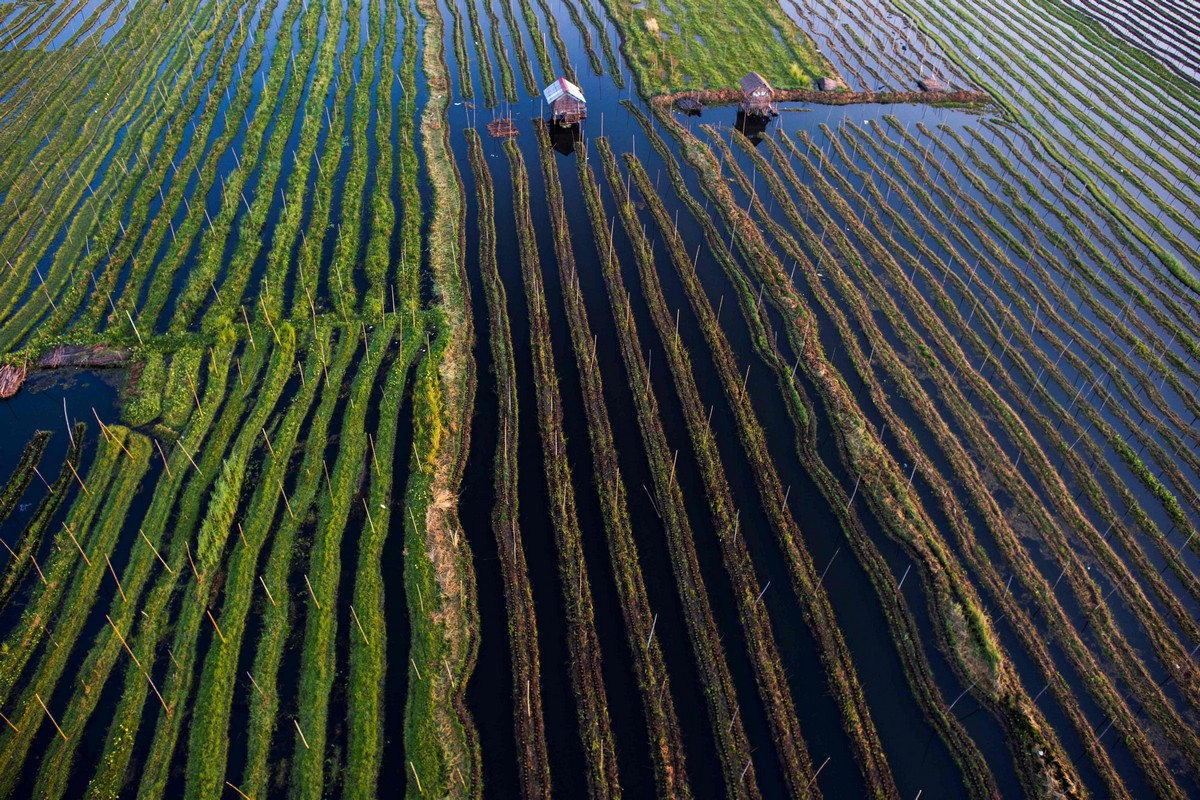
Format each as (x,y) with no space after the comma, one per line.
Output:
(567,103)
(758,98)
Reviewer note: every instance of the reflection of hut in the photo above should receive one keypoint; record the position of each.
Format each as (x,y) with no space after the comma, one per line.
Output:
(932,85)
(752,126)
(831,83)
(758,98)
(563,138)
(567,104)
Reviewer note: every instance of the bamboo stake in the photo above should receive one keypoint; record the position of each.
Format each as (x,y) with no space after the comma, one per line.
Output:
(196,396)
(311,592)
(236,789)
(215,625)
(410,766)
(414,666)
(297,724)
(360,627)
(9,722)
(189,457)
(76,474)
(268,441)
(163,456)
(268,591)
(39,570)
(242,534)
(285,500)
(124,599)
(256,686)
(76,541)
(156,553)
(187,547)
(374,458)
(51,716)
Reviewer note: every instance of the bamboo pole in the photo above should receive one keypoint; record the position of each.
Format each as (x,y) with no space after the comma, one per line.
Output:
(9,723)
(156,553)
(195,572)
(76,474)
(268,591)
(163,456)
(311,592)
(297,724)
(360,627)
(51,717)
(215,625)
(242,794)
(67,528)
(124,599)
(39,569)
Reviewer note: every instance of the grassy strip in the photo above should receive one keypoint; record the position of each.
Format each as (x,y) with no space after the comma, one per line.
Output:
(323,574)
(261,161)
(169,512)
(539,42)
(901,623)
(1152,299)
(819,614)
(79,584)
(1168,649)
(204,239)
(30,539)
(585,35)
(587,679)
(207,736)
(968,420)
(282,257)
(22,475)
(518,46)
(732,745)
(486,77)
(1112,436)
(439,738)
(756,624)
(368,646)
(77,251)
(1060,299)
(964,465)
(1074,161)
(508,82)
(662,723)
(672,45)
(462,58)
(529,724)
(265,710)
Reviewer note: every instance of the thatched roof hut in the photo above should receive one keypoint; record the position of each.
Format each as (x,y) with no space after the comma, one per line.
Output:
(932,85)
(758,98)
(831,83)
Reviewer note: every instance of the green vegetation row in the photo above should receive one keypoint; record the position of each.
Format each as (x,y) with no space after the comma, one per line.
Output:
(528,722)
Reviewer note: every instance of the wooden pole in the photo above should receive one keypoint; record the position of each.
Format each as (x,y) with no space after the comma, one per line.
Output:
(311,592)
(124,599)
(268,591)
(51,716)
(360,627)
(297,724)
(73,539)
(76,474)
(215,625)
(163,456)
(156,553)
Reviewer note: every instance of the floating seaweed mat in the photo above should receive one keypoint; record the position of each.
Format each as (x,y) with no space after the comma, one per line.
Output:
(502,128)
(11,379)
(74,355)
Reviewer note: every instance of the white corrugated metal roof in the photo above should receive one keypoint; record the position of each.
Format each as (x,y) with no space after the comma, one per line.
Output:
(559,88)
